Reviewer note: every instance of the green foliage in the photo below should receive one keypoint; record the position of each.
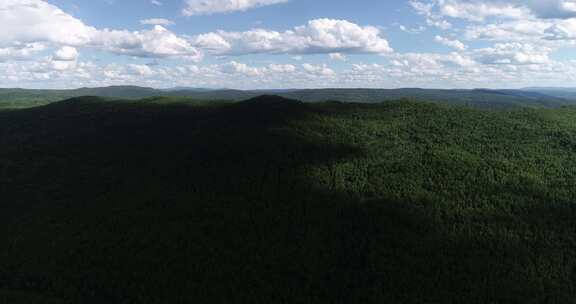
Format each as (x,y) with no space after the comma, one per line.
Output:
(277,201)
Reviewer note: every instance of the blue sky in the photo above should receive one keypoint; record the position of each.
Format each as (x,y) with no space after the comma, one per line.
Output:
(256,44)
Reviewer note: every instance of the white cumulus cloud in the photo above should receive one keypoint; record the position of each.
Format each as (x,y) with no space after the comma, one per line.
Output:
(29,21)
(512,53)
(209,7)
(37,21)
(320,36)
(21,51)
(455,44)
(320,70)
(479,10)
(66,53)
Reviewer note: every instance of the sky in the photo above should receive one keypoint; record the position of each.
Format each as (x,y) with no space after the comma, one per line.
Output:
(281,44)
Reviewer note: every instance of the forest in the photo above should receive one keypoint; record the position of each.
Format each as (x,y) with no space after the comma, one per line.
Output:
(273,200)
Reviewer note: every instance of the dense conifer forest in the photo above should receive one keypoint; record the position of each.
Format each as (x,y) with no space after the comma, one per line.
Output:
(271,200)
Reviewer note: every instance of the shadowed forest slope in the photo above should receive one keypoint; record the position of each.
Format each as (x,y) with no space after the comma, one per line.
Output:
(275,201)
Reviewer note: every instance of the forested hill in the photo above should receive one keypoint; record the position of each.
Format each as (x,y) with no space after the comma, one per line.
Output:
(278,201)
(482,98)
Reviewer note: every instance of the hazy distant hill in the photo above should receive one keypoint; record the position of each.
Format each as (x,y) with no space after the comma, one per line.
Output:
(559,89)
(22,98)
(477,98)
(483,98)
(118,91)
(567,93)
(187,89)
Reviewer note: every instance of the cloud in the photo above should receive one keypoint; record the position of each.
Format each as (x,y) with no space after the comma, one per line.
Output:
(37,21)
(156,2)
(40,45)
(550,23)
(140,70)
(281,68)
(157,21)
(21,51)
(66,53)
(337,56)
(416,69)
(409,30)
(157,42)
(432,18)
(555,33)
(516,30)
(563,30)
(234,74)
(209,7)
(504,65)
(60,65)
(234,67)
(479,10)
(455,44)
(551,9)
(319,70)
(29,21)
(512,53)
(320,36)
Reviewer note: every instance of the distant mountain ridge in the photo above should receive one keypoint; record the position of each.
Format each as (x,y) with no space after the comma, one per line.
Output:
(483,98)
(565,89)
(560,92)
